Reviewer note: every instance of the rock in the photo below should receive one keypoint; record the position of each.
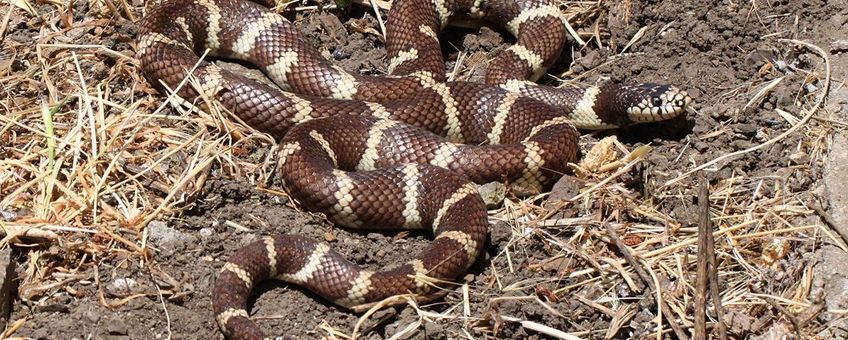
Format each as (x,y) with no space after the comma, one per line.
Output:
(830,280)
(403,320)
(565,188)
(810,88)
(167,239)
(7,283)
(205,233)
(121,287)
(53,308)
(742,144)
(749,130)
(830,285)
(493,194)
(740,323)
(92,316)
(432,328)
(757,58)
(799,158)
(117,327)
(8,216)
(776,331)
(40,333)
(378,317)
(591,60)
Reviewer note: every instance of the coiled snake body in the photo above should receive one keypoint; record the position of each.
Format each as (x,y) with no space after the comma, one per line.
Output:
(402,150)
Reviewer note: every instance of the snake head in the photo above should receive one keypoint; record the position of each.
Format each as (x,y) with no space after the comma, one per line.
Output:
(654,102)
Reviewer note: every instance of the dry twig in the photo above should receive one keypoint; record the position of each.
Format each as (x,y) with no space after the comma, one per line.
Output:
(707,271)
(640,270)
(792,319)
(840,229)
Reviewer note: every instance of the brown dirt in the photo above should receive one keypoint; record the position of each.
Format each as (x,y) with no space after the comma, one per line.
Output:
(93,285)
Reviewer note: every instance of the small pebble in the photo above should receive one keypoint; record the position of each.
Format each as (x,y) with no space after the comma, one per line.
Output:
(432,328)
(800,157)
(91,316)
(8,216)
(810,88)
(121,287)
(117,327)
(205,232)
(742,144)
(746,129)
(493,194)
(54,308)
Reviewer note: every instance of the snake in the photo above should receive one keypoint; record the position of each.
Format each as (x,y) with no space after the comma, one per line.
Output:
(400,150)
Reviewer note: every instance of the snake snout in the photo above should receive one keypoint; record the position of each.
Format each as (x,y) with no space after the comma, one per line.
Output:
(659,102)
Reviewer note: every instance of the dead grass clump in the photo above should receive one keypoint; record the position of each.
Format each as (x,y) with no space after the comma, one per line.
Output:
(91,155)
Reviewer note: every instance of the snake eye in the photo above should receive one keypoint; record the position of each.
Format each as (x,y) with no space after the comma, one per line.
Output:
(657,101)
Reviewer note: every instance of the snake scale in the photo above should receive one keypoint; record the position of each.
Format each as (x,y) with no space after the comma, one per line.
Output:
(401,150)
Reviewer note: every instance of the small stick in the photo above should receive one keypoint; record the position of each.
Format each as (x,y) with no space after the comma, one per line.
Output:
(706,267)
(795,323)
(704,228)
(713,272)
(546,330)
(645,278)
(627,254)
(11,232)
(379,18)
(128,11)
(162,301)
(5,23)
(840,229)
(811,313)
(601,308)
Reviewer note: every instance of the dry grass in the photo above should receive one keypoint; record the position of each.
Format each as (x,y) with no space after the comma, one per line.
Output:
(91,155)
